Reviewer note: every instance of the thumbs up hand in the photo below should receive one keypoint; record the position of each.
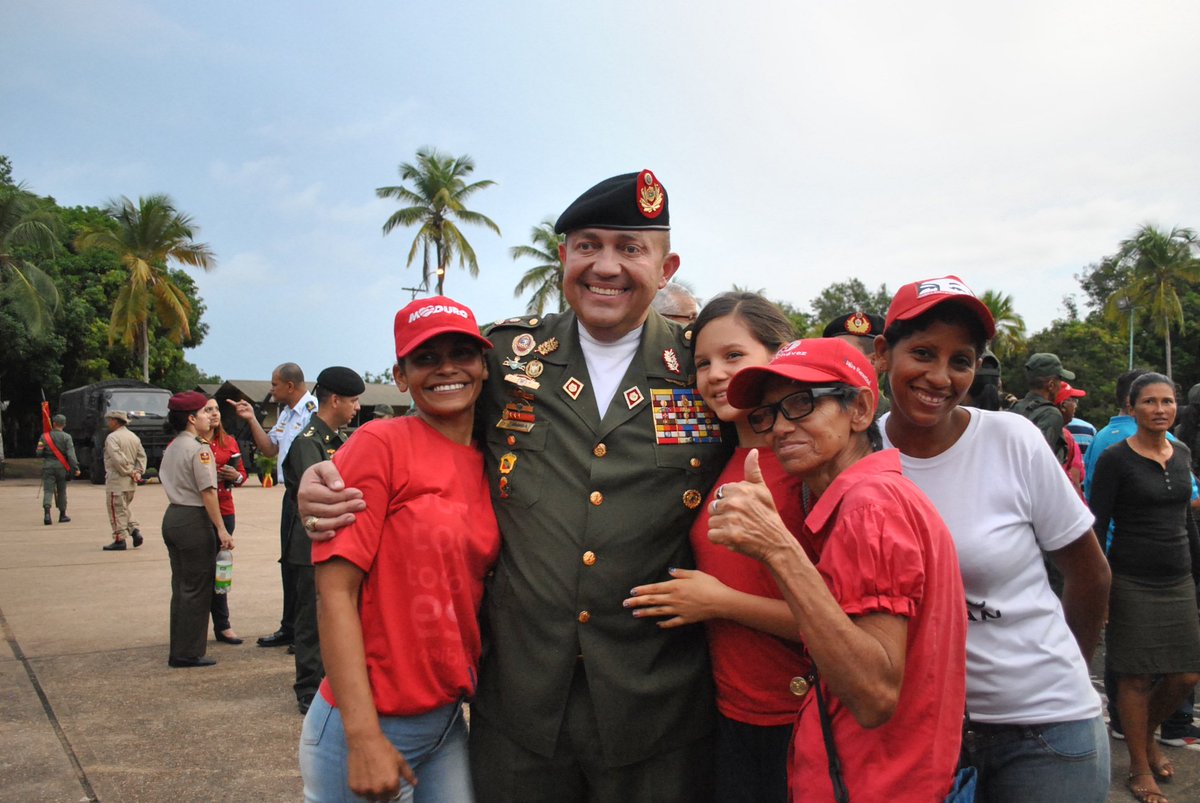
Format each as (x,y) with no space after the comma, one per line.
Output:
(742,516)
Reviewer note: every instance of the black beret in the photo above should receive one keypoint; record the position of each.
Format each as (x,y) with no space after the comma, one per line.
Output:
(187,402)
(341,381)
(863,324)
(629,201)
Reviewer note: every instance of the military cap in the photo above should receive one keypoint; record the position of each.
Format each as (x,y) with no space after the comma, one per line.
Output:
(187,402)
(989,365)
(384,411)
(630,201)
(59,419)
(862,324)
(120,415)
(1046,364)
(341,381)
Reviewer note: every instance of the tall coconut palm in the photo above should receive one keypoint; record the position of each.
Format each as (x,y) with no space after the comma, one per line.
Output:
(546,277)
(1161,265)
(434,204)
(1010,327)
(26,227)
(146,237)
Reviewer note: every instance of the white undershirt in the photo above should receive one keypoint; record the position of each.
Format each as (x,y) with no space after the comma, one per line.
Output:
(607,363)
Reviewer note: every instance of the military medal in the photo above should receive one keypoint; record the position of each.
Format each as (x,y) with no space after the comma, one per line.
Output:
(573,387)
(504,487)
(548,347)
(523,381)
(522,344)
(681,416)
(517,417)
(508,461)
(513,364)
(671,361)
(534,369)
(633,397)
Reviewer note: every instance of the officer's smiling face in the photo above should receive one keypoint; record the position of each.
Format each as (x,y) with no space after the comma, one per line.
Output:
(610,277)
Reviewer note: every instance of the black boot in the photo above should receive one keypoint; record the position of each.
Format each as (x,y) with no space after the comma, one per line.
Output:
(46,516)
(63,518)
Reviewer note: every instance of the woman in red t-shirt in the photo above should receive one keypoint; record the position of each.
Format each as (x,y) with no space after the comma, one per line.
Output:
(231,473)
(398,590)
(751,634)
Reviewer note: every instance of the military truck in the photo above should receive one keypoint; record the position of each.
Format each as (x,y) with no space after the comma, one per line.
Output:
(86,407)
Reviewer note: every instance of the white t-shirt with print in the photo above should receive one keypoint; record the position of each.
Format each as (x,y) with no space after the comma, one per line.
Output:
(1003,496)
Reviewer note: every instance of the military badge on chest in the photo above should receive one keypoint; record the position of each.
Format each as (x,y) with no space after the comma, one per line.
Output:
(681,416)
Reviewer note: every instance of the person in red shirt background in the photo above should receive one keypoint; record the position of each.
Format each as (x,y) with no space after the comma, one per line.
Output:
(231,473)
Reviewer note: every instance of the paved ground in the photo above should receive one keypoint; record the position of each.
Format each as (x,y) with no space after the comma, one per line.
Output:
(89,709)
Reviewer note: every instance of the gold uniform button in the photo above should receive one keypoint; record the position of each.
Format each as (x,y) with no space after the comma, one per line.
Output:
(694,462)
(596,498)
(600,450)
(799,686)
(589,558)
(583,617)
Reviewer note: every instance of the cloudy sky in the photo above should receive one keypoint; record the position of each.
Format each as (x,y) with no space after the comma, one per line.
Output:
(801,143)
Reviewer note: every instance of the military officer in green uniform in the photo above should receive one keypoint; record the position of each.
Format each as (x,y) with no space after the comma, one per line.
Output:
(1045,373)
(337,393)
(57,450)
(599,451)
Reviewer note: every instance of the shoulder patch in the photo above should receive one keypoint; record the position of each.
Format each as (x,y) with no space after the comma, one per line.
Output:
(310,405)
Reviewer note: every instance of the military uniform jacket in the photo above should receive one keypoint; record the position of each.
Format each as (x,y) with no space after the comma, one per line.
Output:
(316,443)
(588,509)
(65,444)
(123,457)
(1048,418)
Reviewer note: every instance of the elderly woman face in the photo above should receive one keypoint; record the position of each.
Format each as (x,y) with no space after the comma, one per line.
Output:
(812,430)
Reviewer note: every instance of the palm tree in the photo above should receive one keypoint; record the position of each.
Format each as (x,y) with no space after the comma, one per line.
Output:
(545,278)
(24,224)
(146,237)
(1161,265)
(434,203)
(1010,327)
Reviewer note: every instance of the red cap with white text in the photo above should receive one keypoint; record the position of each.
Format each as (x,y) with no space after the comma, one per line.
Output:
(427,318)
(914,299)
(813,362)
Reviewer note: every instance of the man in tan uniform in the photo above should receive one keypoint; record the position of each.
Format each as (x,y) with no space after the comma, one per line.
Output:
(124,464)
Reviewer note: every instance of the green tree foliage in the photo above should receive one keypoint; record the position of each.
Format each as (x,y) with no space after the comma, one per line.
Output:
(435,203)
(545,278)
(1010,327)
(28,232)
(852,295)
(1161,267)
(145,237)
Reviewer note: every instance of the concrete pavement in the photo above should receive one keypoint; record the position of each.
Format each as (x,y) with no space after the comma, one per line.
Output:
(89,709)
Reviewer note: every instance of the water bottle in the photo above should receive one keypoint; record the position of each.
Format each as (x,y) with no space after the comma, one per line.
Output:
(224,572)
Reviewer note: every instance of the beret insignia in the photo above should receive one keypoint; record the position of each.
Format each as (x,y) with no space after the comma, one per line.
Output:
(649,195)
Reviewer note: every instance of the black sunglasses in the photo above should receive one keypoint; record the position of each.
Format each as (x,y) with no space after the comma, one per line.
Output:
(794,406)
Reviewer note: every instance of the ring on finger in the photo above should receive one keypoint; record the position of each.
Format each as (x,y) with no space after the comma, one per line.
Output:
(310,524)
(720,494)
(712,509)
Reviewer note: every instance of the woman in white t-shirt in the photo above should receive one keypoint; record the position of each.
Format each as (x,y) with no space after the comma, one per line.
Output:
(1036,722)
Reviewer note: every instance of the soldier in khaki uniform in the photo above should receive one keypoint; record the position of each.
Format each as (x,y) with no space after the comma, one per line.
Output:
(124,465)
(337,393)
(599,451)
(54,470)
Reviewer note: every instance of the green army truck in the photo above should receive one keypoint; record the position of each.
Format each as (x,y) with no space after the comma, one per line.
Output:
(86,407)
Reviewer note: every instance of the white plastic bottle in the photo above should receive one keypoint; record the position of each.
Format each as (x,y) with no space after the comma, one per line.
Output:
(224,572)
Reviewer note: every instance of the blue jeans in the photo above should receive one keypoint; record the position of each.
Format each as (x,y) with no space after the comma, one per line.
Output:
(433,744)
(1054,761)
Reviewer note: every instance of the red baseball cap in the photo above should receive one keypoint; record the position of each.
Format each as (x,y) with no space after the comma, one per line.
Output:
(1067,392)
(426,318)
(811,361)
(914,299)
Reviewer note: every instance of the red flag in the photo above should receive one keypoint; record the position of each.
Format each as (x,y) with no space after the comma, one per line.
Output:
(45,416)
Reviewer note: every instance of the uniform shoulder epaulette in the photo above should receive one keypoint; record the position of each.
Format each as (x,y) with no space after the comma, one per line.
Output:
(517,322)
(308,432)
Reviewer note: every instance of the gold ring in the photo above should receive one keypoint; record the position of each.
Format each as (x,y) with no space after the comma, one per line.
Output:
(310,523)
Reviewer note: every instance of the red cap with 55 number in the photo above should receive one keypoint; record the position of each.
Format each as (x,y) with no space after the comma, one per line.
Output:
(813,361)
(912,300)
(426,318)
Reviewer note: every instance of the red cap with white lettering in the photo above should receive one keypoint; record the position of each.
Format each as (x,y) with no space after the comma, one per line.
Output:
(426,318)
(914,299)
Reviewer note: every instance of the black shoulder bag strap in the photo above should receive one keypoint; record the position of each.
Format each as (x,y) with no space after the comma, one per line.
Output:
(840,793)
